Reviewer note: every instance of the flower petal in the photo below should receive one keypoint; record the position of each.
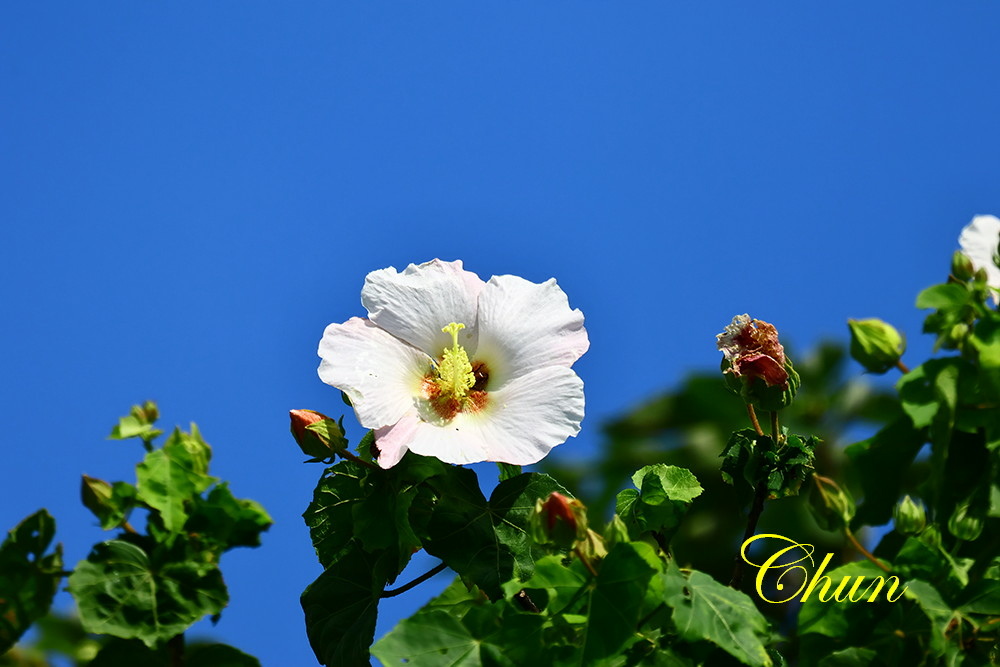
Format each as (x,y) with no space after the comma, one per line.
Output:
(979,240)
(393,441)
(524,326)
(378,372)
(459,441)
(414,305)
(533,413)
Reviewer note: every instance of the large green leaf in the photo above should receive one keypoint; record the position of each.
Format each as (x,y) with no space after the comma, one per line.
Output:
(120,592)
(616,601)
(377,507)
(881,463)
(487,635)
(119,652)
(706,610)
(341,607)
(486,541)
(29,577)
(170,477)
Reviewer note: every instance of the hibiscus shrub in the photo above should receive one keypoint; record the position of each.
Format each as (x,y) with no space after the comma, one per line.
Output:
(543,580)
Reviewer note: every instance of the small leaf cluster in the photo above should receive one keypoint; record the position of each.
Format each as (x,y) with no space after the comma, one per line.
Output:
(754,463)
(143,589)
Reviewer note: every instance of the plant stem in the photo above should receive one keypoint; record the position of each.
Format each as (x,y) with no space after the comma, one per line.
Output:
(755,511)
(175,649)
(775,430)
(901,366)
(440,567)
(351,457)
(753,419)
(864,552)
(585,561)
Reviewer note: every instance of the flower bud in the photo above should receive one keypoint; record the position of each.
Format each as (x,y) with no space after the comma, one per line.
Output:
(559,520)
(875,344)
(961,266)
(910,517)
(317,435)
(964,525)
(754,364)
(831,506)
(95,494)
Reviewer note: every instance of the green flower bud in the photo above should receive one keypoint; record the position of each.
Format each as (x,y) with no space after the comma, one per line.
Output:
(910,517)
(875,344)
(964,525)
(96,495)
(831,506)
(961,266)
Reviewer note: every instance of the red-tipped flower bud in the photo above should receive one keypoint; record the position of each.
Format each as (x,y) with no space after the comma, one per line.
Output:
(317,435)
(559,520)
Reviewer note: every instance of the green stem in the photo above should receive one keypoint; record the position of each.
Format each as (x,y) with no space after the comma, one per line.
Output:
(416,582)
(753,419)
(351,457)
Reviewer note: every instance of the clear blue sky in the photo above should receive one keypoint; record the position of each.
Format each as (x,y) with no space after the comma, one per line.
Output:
(190,192)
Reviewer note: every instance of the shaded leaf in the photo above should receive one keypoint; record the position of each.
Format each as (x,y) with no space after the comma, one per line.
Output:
(121,593)
(29,577)
(486,542)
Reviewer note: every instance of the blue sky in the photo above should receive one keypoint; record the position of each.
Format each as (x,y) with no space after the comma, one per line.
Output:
(190,193)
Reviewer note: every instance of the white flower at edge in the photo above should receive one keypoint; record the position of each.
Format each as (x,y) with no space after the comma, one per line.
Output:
(447,365)
(979,240)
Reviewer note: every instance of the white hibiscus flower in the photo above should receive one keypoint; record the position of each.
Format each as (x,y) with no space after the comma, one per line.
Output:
(452,367)
(979,240)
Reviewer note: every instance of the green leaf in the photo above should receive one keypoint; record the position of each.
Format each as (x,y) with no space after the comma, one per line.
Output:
(849,657)
(329,515)
(706,610)
(881,463)
(487,635)
(676,483)
(935,608)
(948,296)
(120,592)
(218,655)
(378,507)
(29,577)
(616,601)
(132,427)
(665,492)
(228,521)
(341,607)
(170,477)
(487,543)
(118,652)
